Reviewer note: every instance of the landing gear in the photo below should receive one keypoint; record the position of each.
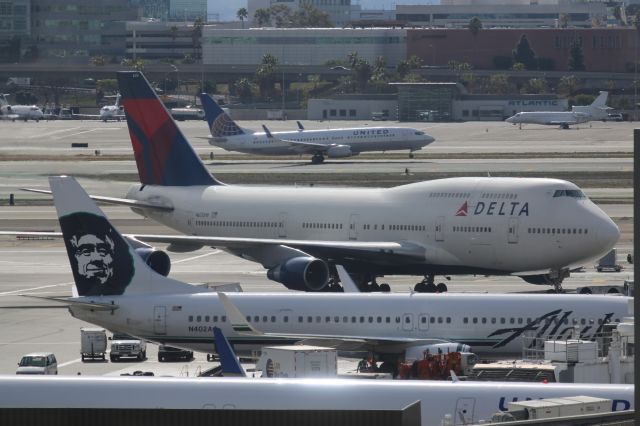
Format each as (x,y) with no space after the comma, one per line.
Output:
(427,285)
(564,126)
(317,159)
(411,154)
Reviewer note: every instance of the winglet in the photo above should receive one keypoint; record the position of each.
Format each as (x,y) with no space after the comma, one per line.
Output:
(267,132)
(228,360)
(347,283)
(238,321)
(300,126)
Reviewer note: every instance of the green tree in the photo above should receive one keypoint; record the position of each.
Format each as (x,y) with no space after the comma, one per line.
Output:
(498,84)
(535,86)
(281,15)
(314,79)
(475,25)
(242,14)
(568,84)
(525,54)
(563,20)
(243,89)
(136,64)
(196,37)
(362,72)
(107,85)
(262,17)
(308,16)
(265,75)
(576,57)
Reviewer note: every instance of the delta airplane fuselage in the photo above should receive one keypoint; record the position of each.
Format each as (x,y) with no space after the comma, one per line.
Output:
(339,142)
(448,226)
(491,324)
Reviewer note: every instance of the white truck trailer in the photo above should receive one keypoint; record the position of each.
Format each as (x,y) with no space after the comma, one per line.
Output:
(93,343)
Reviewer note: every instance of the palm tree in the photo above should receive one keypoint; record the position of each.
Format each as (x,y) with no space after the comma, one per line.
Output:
(242,14)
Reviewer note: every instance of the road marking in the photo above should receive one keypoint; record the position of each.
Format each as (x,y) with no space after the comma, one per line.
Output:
(69,363)
(54,132)
(75,134)
(7,293)
(197,257)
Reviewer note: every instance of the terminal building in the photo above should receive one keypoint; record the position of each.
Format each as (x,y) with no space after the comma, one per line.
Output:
(431,102)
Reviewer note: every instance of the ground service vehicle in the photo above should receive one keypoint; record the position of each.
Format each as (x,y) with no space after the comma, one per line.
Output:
(93,343)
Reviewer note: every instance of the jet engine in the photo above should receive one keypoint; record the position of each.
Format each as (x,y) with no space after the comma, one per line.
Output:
(156,259)
(339,151)
(301,273)
(418,352)
(547,279)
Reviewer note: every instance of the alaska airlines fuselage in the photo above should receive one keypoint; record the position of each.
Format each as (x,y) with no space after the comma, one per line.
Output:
(489,323)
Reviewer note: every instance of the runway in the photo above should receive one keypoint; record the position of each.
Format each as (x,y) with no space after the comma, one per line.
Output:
(29,152)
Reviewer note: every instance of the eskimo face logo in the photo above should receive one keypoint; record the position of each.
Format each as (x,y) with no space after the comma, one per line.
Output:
(99,256)
(94,256)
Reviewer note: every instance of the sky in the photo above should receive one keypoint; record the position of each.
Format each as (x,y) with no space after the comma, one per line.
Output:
(228,8)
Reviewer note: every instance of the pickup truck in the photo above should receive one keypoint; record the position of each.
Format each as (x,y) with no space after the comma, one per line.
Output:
(123,345)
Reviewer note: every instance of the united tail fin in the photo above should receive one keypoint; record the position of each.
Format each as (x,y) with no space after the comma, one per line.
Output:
(163,155)
(102,261)
(228,360)
(220,124)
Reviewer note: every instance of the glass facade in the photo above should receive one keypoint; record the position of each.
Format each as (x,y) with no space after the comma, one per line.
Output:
(14,18)
(426,101)
(187,10)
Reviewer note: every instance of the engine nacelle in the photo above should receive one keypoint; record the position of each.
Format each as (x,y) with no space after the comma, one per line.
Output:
(418,352)
(301,273)
(339,151)
(157,260)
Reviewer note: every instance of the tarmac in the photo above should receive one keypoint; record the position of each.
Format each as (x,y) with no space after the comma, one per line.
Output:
(600,154)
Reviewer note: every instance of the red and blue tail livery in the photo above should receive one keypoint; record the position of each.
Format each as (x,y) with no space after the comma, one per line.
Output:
(163,155)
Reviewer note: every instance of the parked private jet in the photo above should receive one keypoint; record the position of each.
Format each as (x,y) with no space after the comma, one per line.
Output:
(107,112)
(334,143)
(19,112)
(114,288)
(598,110)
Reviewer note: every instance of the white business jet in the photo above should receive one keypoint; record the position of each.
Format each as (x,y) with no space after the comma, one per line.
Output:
(598,110)
(19,112)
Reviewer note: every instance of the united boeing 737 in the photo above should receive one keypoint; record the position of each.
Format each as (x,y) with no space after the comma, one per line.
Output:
(334,143)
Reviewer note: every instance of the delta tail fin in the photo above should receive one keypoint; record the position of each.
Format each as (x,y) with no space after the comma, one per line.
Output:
(102,261)
(228,360)
(220,124)
(163,155)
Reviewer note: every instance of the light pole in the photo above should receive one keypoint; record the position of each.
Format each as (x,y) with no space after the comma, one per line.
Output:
(175,69)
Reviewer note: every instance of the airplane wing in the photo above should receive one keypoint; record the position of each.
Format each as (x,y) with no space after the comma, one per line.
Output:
(113,200)
(344,342)
(379,251)
(299,147)
(561,122)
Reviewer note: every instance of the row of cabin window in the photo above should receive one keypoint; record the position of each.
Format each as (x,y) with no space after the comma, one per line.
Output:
(206,318)
(555,231)
(471,229)
(224,223)
(313,225)
(387,320)
(449,195)
(503,320)
(499,196)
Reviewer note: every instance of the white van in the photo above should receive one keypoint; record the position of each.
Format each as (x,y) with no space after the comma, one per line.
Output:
(38,363)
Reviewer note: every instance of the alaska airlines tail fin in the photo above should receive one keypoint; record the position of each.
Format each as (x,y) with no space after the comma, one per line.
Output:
(220,124)
(601,100)
(163,155)
(228,360)
(102,262)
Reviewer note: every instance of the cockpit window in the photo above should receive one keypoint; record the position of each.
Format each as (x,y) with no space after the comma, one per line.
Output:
(419,133)
(573,193)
